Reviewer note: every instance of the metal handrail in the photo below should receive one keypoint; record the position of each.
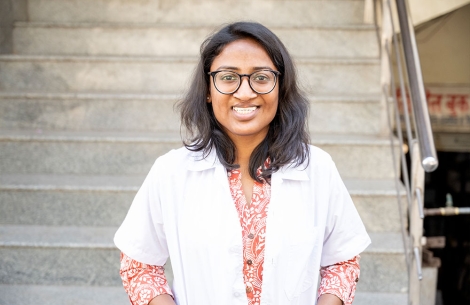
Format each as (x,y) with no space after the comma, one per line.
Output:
(418,96)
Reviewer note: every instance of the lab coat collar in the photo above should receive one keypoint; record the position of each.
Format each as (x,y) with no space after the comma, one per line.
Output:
(289,172)
(201,163)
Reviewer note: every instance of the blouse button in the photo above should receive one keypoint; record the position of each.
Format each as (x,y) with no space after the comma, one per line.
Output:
(357,279)
(248,289)
(249,262)
(251,236)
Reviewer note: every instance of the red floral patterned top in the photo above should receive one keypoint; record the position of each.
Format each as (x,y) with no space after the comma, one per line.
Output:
(144,282)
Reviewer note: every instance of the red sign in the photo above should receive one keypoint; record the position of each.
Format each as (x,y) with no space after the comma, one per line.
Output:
(449,107)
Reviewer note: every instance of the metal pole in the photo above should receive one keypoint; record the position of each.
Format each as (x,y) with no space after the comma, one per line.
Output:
(418,97)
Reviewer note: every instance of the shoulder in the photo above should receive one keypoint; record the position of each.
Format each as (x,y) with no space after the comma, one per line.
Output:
(319,166)
(180,154)
(318,155)
(182,159)
(175,159)
(319,159)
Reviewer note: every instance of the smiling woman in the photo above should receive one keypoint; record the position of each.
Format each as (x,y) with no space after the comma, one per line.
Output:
(247,211)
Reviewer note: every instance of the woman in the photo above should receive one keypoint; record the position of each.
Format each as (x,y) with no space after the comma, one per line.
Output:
(247,210)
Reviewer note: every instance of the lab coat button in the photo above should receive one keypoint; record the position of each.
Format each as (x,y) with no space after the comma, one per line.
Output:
(236,294)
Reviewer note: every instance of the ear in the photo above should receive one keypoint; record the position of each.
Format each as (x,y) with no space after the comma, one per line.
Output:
(209,100)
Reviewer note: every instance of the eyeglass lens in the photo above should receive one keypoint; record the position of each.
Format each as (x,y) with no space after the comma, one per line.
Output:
(261,81)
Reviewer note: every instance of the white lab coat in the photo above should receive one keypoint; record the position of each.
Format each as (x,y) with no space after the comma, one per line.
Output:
(184,210)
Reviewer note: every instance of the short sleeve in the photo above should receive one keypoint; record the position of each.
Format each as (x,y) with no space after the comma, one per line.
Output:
(345,234)
(340,279)
(142,236)
(142,282)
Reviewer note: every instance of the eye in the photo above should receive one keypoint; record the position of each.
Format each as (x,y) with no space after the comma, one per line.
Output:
(261,77)
(227,77)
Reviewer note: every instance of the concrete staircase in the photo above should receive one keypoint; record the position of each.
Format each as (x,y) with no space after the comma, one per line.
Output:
(86,105)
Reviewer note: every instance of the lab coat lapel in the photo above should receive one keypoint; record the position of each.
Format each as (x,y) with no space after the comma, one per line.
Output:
(280,194)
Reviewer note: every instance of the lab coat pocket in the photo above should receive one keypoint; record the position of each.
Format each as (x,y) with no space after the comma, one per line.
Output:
(301,270)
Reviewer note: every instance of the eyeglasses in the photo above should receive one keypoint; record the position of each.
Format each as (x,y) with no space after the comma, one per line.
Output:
(261,82)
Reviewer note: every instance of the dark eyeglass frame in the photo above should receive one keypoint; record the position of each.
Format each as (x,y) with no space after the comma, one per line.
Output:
(214,73)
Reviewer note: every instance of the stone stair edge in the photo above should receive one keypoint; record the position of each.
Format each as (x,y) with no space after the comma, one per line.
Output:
(186,59)
(54,294)
(165,136)
(184,26)
(88,136)
(56,236)
(65,182)
(102,237)
(21,294)
(351,98)
(382,298)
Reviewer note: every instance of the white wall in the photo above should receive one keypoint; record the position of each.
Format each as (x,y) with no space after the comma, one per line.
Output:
(444,48)
(425,10)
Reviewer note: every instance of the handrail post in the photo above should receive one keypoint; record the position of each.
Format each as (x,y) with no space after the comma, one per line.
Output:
(416,225)
(418,96)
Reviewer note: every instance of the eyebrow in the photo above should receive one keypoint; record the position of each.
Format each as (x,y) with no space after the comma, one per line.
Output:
(238,69)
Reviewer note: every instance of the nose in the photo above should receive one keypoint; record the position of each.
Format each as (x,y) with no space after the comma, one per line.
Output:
(244,92)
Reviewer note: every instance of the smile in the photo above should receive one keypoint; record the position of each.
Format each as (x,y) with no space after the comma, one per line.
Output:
(245,110)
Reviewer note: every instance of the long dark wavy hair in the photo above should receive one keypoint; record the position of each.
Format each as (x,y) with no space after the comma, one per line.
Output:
(287,138)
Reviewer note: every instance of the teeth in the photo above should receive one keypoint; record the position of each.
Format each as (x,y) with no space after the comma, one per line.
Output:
(244,110)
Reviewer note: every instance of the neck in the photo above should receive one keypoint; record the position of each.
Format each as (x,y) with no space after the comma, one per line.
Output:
(244,147)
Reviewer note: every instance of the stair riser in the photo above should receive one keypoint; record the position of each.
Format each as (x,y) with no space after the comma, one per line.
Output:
(301,13)
(63,157)
(383,272)
(108,208)
(64,208)
(59,266)
(85,114)
(152,76)
(374,298)
(159,115)
(167,41)
(380,213)
(61,295)
(346,118)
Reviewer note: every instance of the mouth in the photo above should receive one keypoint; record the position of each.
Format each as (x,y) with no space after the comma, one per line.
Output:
(244,110)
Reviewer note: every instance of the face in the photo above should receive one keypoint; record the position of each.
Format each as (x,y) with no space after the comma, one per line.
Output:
(244,114)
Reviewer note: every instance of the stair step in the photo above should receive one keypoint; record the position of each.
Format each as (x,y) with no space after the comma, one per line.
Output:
(107,153)
(85,256)
(377,203)
(62,295)
(93,153)
(76,295)
(156,112)
(69,200)
(66,200)
(181,39)
(165,74)
(43,255)
(300,13)
(383,266)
